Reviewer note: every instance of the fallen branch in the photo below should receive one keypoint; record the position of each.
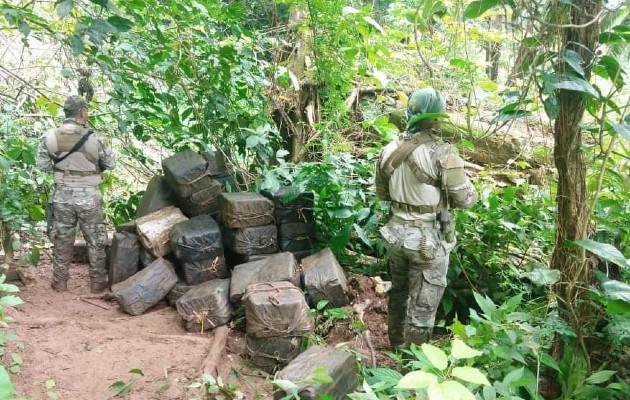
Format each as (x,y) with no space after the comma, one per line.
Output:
(219,340)
(83,299)
(45,323)
(193,338)
(474,166)
(356,94)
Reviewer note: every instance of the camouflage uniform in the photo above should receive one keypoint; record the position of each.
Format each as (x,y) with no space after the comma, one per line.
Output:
(76,198)
(431,179)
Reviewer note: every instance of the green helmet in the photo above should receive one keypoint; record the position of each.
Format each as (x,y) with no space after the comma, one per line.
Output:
(74,104)
(424,101)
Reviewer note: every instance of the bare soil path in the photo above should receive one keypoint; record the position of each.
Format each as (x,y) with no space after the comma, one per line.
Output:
(84,348)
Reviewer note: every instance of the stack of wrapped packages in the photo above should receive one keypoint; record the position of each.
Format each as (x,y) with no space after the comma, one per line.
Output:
(209,251)
(294,220)
(249,230)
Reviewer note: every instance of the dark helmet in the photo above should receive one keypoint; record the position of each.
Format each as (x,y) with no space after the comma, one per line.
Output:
(424,101)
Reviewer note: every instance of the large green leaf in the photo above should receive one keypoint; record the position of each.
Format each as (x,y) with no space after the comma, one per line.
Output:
(543,276)
(436,356)
(604,251)
(478,7)
(574,60)
(449,390)
(4,163)
(576,85)
(552,109)
(7,391)
(549,361)
(76,44)
(385,377)
(64,7)
(416,380)
(470,374)
(121,24)
(10,301)
(461,350)
(102,26)
(489,393)
(623,130)
(486,304)
(610,37)
(618,307)
(362,234)
(608,68)
(617,290)
(600,377)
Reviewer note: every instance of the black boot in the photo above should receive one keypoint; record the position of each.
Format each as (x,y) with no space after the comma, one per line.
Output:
(59,286)
(98,287)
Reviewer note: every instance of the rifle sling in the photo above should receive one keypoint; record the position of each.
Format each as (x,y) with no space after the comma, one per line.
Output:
(403,151)
(74,148)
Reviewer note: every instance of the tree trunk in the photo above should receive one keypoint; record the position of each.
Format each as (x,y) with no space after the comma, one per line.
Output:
(573,221)
(295,109)
(493,51)
(7,242)
(493,55)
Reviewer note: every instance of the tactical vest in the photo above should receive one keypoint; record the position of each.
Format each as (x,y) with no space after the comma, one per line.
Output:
(84,161)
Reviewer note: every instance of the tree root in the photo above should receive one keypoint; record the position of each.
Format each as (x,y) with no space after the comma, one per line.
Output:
(360,310)
(210,363)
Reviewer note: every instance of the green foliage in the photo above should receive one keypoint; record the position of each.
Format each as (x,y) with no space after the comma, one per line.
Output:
(121,388)
(325,317)
(7,299)
(434,374)
(200,75)
(51,391)
(611,294)
(291,389)
(119,208)
(23,193)
(7,391)
(503,242)
(497,356)
(511,342)
(215,388)
(206,86)
(182,74)
(578,384)
(346,212)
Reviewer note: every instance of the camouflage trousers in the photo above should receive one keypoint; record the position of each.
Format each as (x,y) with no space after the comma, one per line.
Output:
(418,263)
(82,206)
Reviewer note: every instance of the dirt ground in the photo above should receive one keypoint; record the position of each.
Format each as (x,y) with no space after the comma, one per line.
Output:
(84,348)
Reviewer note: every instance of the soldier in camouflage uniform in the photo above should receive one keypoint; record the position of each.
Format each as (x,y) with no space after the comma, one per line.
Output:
(423,177)
(76,198)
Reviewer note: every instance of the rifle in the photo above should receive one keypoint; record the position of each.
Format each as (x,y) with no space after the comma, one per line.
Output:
(445,217)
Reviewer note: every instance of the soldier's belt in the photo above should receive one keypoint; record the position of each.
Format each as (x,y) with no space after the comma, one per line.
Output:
(422,209)
(416,223)
(86,189)
(77,173)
